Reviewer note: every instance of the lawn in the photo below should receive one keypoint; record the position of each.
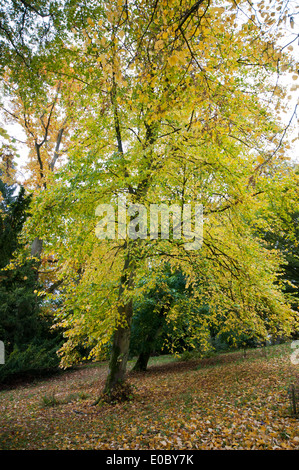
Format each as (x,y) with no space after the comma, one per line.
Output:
(228,401)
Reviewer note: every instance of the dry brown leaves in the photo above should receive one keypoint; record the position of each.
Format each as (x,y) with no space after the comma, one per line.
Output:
(226,402)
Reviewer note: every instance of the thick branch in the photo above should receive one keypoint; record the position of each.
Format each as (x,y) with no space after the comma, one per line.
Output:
(46,127)
(35,10)
(189,13)
(56,152)
(118,130)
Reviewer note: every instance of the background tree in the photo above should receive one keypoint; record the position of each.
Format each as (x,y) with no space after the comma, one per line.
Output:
(30,347)
(279,230)
(149,326)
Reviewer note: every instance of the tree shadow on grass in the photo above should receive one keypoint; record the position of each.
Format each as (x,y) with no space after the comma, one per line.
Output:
(178,366)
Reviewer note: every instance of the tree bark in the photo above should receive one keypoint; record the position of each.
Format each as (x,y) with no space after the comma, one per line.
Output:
(120,352)
(144,356)
(142,361)
(36,247)
(121,337)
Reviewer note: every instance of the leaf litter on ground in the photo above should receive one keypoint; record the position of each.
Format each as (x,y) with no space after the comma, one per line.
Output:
(229,401)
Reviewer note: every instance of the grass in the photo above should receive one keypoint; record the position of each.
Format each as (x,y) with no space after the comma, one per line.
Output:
(227,401)
(49,399)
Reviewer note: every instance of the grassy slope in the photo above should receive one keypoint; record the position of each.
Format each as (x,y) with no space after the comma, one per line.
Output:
(224,402)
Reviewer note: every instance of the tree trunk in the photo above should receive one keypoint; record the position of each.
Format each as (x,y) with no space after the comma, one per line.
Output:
(36,247)
(120,351)
(142,361)
(121,337)
(144,356)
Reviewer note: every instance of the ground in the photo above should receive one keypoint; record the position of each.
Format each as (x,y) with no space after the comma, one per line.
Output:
(228,401)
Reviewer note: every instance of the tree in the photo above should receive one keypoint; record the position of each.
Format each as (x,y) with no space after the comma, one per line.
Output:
(157,118)
(150,316)
(158,323)
(279,230)
(25,330)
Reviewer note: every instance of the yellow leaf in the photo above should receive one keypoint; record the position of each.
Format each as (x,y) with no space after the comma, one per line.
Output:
(159,44)
(173,60)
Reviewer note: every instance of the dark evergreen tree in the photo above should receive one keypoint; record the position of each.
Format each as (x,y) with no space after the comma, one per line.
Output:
(30,345)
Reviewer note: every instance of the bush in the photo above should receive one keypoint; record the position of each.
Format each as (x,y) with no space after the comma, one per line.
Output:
(31,360)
